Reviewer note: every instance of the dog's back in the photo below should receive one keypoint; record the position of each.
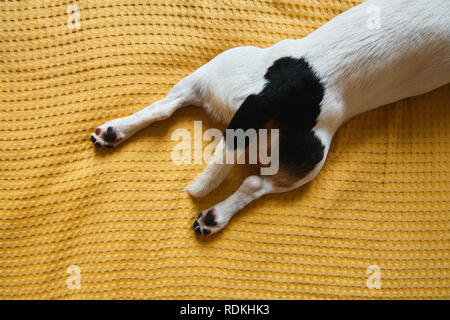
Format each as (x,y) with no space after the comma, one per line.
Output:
(370,65)
(362,65)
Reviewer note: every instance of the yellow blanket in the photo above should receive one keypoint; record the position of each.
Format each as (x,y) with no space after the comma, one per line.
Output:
(76,222)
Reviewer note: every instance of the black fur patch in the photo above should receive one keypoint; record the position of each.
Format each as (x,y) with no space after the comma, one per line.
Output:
(291,98)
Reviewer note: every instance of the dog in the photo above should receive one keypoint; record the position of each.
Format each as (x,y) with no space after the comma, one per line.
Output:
(306,88)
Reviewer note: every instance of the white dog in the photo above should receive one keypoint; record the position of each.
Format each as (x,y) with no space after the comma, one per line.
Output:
(306,88)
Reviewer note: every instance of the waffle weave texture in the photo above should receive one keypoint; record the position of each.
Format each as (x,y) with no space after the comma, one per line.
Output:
(122,216)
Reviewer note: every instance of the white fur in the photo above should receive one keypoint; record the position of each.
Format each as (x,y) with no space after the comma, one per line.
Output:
(361,69)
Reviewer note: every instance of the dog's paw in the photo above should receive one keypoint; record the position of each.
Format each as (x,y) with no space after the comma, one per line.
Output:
(108,135)
(208,222)
(198,188)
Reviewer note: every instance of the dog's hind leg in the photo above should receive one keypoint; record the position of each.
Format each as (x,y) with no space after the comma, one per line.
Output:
(218,168)
(215,172)
(217,217)
(118,130)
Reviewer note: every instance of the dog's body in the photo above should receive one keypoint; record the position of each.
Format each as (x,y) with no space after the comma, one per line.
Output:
(306,88)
